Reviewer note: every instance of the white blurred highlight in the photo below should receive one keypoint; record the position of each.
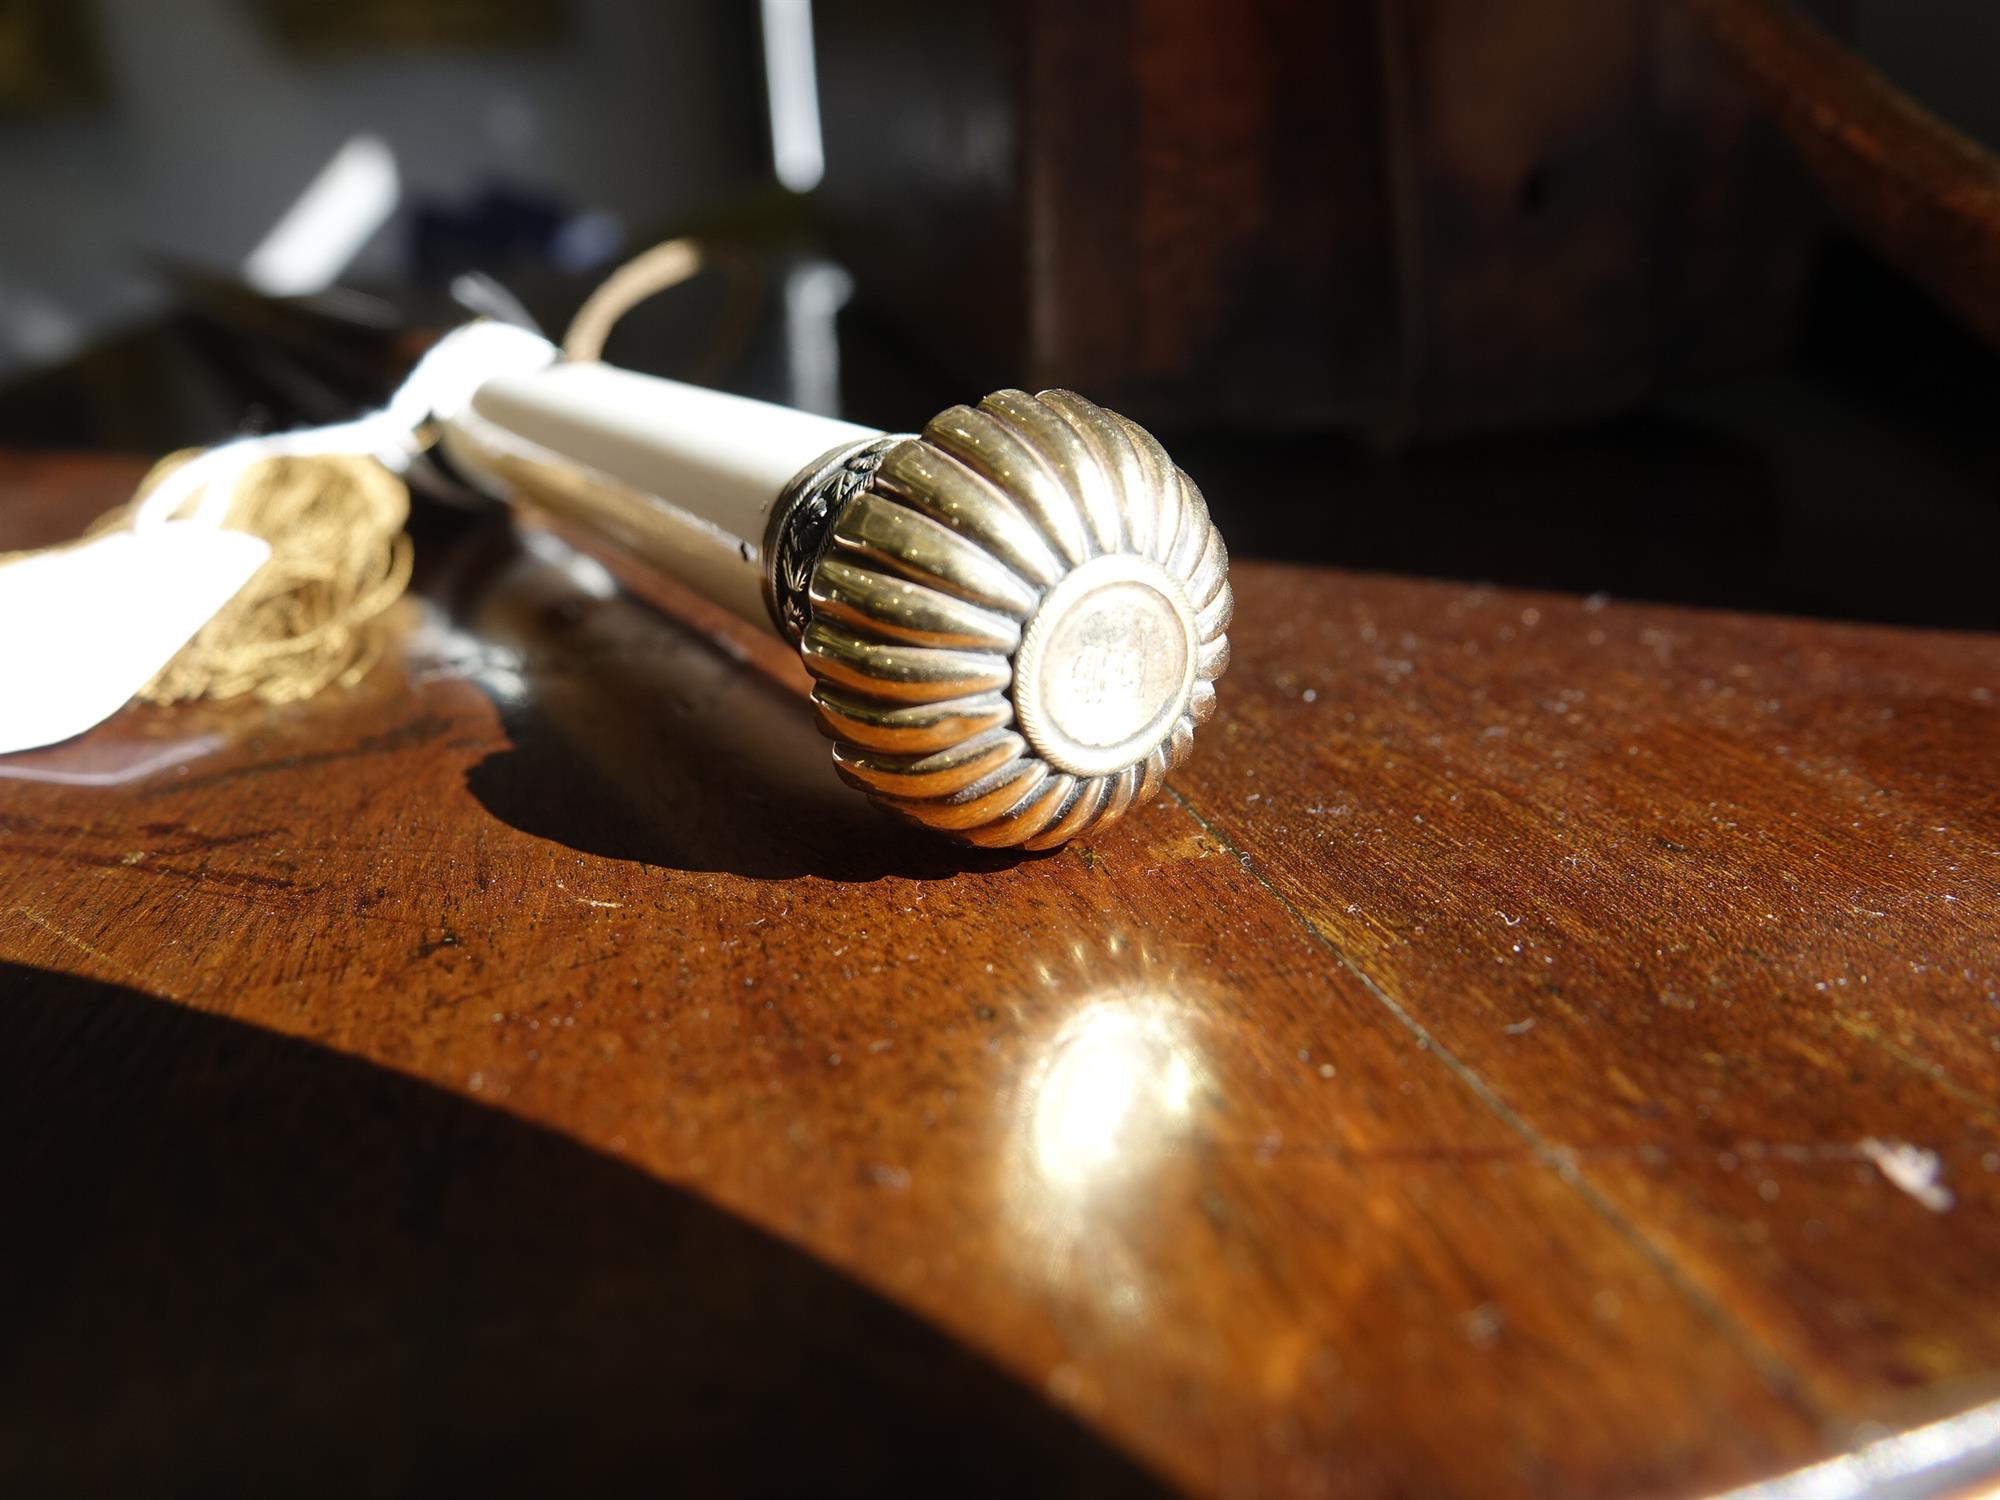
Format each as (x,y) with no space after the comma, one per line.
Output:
(791,80)
(1114,1090)
(340,211)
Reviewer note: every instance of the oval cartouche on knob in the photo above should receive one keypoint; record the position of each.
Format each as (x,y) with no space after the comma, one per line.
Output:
(1015,619)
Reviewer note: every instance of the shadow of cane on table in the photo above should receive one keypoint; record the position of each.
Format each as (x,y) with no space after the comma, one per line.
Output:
(633,736)
(245,1263)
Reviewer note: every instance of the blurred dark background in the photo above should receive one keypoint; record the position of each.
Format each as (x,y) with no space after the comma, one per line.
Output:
(1535,292)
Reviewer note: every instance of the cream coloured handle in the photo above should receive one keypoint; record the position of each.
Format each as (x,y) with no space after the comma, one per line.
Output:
(679,476)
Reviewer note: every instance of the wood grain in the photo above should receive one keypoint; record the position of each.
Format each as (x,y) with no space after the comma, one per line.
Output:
(1414,219)
(1471,1078)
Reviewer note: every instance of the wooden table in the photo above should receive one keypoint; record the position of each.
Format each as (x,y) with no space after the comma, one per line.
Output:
(1538,1045)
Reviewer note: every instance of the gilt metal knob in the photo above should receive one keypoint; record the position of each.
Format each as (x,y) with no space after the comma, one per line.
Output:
(1015,619)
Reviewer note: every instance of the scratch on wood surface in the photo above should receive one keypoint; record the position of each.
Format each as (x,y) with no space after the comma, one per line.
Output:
(1772,1369)
(1917,1063)
(1921,1164)
(604,905)
(92,949)
(113,848)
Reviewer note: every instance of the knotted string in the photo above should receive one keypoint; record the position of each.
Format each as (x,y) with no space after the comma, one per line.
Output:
(310,618)
(331,501)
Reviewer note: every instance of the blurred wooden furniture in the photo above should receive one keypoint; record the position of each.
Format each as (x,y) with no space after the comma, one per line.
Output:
(1925,195)
(1540,1046)
(1419,217)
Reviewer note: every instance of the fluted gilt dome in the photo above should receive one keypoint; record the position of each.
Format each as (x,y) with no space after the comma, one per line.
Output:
(1018,621)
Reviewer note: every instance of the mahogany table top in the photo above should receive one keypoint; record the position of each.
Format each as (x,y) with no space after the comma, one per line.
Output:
(1538,1045)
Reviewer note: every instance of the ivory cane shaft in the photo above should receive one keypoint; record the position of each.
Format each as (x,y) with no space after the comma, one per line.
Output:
(677,477)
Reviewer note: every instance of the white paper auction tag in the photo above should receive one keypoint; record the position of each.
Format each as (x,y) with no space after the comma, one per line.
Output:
(84,628)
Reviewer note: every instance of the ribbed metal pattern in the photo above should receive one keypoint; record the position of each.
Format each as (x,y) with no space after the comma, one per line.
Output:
(934,574)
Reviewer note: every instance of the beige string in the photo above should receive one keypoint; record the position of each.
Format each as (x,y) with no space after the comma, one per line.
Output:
(312,616)
(645,275)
